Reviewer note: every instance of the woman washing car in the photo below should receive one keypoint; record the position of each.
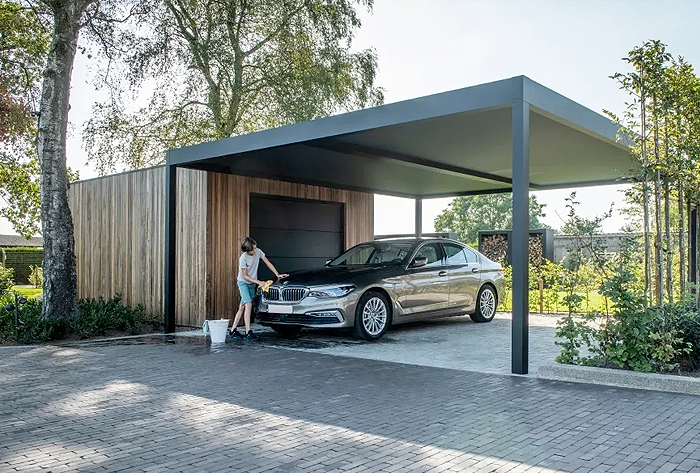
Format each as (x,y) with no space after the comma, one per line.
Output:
(247,280)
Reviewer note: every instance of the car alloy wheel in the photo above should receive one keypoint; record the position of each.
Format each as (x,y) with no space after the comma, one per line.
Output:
(486,304)
(374,316)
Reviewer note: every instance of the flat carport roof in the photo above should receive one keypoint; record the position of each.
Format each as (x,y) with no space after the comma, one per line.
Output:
(510,135)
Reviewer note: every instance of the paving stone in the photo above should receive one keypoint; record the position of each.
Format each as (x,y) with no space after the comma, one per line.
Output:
(257,408)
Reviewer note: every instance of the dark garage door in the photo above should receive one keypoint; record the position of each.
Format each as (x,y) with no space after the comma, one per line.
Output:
(295,234)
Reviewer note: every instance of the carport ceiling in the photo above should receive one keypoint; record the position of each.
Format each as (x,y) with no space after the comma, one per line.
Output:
(453,143)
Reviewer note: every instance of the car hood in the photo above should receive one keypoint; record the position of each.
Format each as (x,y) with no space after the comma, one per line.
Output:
(331,275)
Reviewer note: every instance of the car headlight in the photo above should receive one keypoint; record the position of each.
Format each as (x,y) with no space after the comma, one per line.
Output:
(331,291)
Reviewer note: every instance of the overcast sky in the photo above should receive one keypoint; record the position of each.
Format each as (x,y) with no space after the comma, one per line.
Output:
(430,46)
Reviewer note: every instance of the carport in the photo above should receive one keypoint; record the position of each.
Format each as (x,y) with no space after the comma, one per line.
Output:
(510,135)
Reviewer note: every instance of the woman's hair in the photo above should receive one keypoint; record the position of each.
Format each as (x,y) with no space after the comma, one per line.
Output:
(247,244)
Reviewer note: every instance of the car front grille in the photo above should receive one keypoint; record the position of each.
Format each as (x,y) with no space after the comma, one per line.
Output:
(296,319)
(273,294)
(286,294)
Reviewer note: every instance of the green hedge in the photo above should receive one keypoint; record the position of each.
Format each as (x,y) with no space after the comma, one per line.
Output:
(20,258)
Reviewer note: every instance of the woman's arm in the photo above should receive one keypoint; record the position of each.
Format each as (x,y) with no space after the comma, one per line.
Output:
(244,273)
(272,268)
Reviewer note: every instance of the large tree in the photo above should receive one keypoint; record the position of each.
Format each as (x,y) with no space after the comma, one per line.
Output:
(23,46)
(217,68)
(100,19)
(467,215)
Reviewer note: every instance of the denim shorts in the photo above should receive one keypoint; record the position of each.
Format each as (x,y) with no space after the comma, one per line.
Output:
(247,291)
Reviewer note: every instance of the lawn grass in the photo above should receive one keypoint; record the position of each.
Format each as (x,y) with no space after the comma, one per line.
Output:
(30,292)
(596,303)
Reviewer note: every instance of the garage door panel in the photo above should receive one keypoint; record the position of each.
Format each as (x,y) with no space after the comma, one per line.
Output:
(298,243)
(287,264)
(296,234)
(278,213)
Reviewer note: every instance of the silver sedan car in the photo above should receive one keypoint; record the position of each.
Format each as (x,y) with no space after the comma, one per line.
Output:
(386,282)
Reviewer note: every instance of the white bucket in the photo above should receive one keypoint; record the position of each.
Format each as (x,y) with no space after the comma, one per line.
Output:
(217,329)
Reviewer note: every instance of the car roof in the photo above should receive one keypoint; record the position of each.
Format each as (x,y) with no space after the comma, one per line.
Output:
(417,240)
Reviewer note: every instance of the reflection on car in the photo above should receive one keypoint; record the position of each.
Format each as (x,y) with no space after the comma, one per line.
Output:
(386,282)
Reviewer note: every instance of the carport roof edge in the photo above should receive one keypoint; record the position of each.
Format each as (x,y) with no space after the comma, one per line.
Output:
(329,132)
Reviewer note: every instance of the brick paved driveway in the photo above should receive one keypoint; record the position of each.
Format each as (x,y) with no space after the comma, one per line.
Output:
(453,342)
(186,407)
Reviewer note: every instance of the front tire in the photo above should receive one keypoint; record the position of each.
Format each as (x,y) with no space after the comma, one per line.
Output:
(486,303)
(372,316)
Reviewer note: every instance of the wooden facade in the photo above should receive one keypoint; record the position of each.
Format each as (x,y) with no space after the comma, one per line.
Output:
(119,225)
(119,232)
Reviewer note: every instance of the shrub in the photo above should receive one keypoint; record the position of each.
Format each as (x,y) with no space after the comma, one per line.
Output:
(32,328)
(36,275)
(687,324)
(96,316)
(93,318)
(6,280)
(634,336)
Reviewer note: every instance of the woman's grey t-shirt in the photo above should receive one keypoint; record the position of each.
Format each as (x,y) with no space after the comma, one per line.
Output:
(250,264)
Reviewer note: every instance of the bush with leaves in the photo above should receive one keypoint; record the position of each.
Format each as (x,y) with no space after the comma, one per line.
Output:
(574,333)
(94,318)
(6,280)
(36,275)
(634,336)
(32,328)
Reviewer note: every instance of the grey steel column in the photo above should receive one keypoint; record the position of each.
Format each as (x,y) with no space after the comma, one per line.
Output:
(170,242)
(419,217)
(520,235)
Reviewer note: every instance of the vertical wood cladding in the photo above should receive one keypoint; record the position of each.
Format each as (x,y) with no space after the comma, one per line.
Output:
(119,239)
(119,225)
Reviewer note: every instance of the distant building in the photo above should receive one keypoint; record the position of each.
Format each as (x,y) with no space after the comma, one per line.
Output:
(10,241)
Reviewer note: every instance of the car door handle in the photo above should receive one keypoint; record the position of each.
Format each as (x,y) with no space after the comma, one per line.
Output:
(442,273)
(474,270)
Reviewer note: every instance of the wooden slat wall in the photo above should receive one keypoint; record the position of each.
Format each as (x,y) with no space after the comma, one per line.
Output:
(119,239)
(229,222)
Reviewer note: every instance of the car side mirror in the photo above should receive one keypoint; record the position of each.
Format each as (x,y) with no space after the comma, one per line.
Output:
(419,261)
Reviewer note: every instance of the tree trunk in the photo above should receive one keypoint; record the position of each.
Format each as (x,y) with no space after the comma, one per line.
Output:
(668,249)
(658,243)
(645,195)
(60,291)
(681,236)
(669,243)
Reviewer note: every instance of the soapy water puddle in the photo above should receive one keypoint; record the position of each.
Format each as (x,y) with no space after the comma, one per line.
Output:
(201,345)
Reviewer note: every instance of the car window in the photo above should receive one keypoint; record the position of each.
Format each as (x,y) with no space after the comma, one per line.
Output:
(389,254)
(455,254)
(360,255)
(377,253)
(472,257)
(431,252)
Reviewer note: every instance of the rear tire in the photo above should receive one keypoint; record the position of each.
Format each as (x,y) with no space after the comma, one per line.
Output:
(486,303)
(372,316)
(287,330)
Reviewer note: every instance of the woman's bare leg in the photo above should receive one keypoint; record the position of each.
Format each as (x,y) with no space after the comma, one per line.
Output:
(237,319)
(246,316)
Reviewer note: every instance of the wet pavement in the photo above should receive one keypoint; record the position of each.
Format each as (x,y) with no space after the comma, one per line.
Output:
(455,343)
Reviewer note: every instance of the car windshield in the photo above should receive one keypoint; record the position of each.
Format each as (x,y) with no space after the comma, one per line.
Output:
(374,254)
